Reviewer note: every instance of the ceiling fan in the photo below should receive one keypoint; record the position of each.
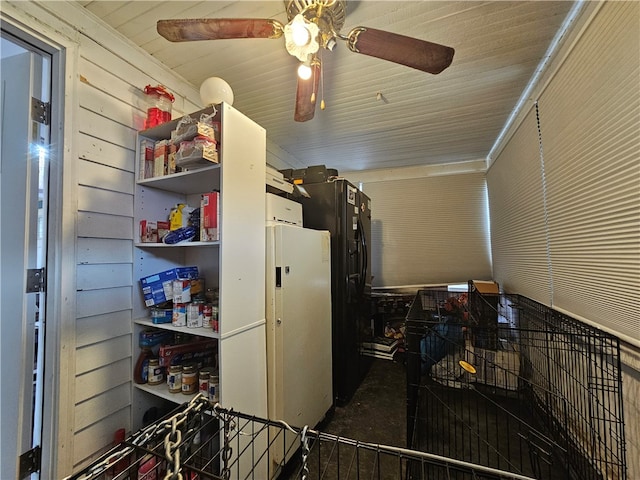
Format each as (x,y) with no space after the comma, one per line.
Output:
(314,24)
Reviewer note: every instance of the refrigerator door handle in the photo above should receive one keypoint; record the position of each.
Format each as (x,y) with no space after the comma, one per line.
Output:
(365,254)
(362,258)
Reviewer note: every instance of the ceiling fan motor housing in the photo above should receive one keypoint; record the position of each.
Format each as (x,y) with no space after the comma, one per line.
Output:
(329,15)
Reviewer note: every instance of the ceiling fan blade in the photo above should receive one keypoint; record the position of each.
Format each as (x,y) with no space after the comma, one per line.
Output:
(412,52)
(186,30)
(306,96)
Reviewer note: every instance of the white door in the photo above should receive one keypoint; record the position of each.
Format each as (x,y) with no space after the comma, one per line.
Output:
(23,202)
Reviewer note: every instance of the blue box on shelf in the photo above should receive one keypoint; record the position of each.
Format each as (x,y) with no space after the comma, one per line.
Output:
(158,288)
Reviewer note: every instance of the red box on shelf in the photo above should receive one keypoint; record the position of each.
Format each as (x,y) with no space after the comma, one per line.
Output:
(200,353)
(210,217)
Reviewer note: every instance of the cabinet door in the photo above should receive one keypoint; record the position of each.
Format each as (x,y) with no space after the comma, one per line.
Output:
(242,261)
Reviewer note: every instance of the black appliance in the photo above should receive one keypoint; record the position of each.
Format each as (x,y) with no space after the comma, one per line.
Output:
(339,207)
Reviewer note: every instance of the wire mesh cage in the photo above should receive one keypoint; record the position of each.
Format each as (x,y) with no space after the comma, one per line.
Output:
(529,390)
(198,441)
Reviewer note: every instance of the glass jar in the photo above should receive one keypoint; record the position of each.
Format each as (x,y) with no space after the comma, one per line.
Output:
(189,380)
(159,101)
(174,378)
(155,372)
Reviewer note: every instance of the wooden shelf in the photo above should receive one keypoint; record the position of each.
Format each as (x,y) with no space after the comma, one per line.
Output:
(200,331)
(205,179)
(161,390)
(177,245)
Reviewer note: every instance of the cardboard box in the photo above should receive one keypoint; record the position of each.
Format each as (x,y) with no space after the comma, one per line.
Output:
(152,231)
(161,158)
(158,288)
(210,217)
(484,287)
(145,169)
(200,353)
(148,231)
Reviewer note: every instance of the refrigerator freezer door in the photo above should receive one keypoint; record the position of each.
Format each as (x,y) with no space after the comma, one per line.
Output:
(345,211)
(299,324)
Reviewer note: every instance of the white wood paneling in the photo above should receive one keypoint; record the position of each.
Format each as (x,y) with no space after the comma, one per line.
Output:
(94,302)
(110,402)
(103,379)
(103,115)
(103,353)
(104,226)
(104,250)
(104,275)
(104,201)
(106,129)
(104,177)
(106,94)
(99,328)
(100,151)
(98,436)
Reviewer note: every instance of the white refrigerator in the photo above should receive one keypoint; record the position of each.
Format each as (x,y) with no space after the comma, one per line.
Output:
(298,311)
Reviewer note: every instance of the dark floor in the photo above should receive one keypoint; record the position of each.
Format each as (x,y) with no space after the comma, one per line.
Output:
(375,415)
(378,410)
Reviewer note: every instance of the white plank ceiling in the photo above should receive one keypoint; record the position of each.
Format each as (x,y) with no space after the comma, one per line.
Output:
(419,119)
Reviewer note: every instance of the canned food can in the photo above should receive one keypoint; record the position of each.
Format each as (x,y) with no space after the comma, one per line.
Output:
(215,322)
(206,316)
(194,315)
(179,318)
(203,381)
(214,389)
(181,291)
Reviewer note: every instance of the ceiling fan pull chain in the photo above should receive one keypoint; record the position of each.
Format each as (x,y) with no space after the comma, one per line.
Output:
(313,91)
(322,105)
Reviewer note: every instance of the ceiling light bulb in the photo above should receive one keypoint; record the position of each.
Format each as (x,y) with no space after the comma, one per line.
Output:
(304,71)
(301,38)
(300,34)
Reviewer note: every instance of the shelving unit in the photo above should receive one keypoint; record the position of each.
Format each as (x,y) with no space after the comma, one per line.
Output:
(235,264)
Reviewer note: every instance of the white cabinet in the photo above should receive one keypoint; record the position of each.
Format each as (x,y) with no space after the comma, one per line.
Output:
(235,264)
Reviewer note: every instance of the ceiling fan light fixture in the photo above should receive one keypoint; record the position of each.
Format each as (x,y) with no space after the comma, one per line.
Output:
(215,90)
(301,38)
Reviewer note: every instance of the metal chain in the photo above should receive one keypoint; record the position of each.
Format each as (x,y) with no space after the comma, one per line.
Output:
(106,464)
(305,451)
(172,442)
(146,435)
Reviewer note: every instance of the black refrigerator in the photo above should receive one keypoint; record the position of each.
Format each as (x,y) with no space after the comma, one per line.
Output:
(342,209)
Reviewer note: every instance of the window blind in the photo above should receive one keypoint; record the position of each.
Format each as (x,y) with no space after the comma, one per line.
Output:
(429,230)
(590,124)
(516,203)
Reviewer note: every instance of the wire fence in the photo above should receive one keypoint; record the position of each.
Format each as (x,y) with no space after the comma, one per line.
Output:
(198,441)
(524,388)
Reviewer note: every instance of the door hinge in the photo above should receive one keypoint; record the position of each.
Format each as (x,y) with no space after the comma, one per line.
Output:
(30,462)
(35,280)
(40,111)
